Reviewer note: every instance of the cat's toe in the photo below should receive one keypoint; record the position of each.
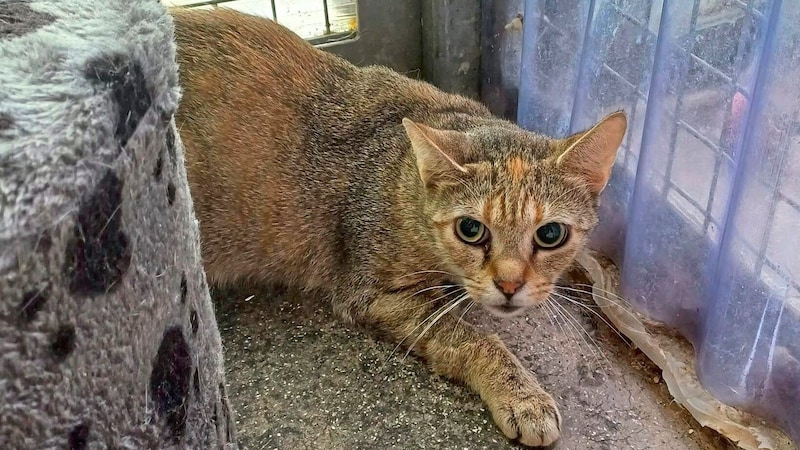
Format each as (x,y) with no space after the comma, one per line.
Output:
(533,420)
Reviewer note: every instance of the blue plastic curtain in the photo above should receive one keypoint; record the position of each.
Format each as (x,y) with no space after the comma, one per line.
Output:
(703,210)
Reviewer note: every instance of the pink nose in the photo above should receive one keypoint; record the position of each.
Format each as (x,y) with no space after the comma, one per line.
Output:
(508,288)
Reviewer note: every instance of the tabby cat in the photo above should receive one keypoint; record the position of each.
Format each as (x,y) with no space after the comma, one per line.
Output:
(399,200)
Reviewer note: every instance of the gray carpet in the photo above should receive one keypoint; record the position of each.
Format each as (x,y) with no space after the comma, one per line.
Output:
(107,333)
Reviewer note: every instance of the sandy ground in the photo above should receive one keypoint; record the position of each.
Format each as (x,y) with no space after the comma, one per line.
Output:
(299,379)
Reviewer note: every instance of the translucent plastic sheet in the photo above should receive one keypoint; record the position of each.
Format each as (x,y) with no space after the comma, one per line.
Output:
(675,357)
(702,214)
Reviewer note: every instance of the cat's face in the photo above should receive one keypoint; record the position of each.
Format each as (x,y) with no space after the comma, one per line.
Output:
(510,210)
(513,232)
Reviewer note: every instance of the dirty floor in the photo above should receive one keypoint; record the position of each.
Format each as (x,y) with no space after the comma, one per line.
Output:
(299,379)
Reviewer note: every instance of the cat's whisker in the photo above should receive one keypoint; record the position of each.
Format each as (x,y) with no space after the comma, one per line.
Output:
(575,333)
(403,304)
(570,330)
(598,295)
(588,289)
(431,288)
(419,272)
(598,355)
(415,305)
(461,317)
(608,296)
(580,304)
(449,302)
(598,315)
(609,300)
(548,313)
(594,305)
(444,311)
(551,316)
(555,296)
(443,272)
(621,301)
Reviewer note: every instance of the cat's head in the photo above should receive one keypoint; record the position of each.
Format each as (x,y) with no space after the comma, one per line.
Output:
(511,209)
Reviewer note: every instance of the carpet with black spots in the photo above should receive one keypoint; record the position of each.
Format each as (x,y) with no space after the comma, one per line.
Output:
(107,332)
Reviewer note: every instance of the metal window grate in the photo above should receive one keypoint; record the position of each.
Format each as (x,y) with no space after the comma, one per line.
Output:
(703,206)
(709,139)
(703,138)
(319,21)
(721,143)
(638,96)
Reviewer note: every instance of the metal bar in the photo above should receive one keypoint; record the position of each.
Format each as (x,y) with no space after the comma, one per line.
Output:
(274,10)
(624,81)
(711,192)
(629,17)
(696,133)
(773,204)
(710,68)
(584,60)
(327,17)
(679,102)
(649,9)
(643,25)
(451,48)
(749,5)
(781,273)
(333,37)
(548,27)
(629,136)
(791,202)
(770,37)
(677,189)
(205,3)
(728,114)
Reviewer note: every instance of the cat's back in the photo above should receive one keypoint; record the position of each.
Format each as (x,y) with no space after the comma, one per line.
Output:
(238,70)
(244,68)
(285,142)
(246,81)
(225,38)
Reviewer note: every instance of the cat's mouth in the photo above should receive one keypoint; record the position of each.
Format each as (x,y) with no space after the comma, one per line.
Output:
(505,310)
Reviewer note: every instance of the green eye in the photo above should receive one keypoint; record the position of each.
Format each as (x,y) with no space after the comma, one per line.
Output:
(471,231)
(550,235)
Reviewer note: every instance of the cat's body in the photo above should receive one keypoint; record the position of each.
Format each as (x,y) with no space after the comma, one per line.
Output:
(282,109)
(306,170)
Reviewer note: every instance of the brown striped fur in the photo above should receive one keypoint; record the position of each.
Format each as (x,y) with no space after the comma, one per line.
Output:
(303,171)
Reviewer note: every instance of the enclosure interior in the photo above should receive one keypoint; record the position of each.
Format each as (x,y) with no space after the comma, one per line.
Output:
(703,210)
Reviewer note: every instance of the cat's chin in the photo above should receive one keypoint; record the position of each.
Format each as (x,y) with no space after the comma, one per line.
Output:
(505,310)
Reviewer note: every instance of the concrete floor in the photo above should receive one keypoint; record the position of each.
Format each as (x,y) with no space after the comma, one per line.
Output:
(299,379)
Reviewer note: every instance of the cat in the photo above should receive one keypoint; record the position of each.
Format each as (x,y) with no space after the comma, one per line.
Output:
(400,201)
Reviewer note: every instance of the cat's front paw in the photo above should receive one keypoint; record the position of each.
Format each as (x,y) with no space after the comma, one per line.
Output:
(527,414)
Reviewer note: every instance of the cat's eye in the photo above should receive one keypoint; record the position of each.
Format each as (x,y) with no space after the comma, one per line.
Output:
(471,231)
(550,235)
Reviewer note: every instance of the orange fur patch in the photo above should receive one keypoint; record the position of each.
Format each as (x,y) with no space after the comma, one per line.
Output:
(517,168)
(487,211)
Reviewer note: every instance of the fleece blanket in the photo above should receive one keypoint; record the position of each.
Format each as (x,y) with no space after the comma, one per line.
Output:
(107,332)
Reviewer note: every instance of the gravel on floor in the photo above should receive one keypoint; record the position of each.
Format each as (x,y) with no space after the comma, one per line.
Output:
(300,379)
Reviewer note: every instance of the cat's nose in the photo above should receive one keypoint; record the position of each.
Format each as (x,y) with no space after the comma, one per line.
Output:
(508,288)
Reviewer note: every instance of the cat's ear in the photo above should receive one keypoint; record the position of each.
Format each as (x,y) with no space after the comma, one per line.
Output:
(591,154)
(436,151)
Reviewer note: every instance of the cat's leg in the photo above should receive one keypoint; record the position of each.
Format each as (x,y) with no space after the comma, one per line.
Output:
(519,405)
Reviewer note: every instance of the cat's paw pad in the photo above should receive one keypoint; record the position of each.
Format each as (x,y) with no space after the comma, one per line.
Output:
(532,419)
